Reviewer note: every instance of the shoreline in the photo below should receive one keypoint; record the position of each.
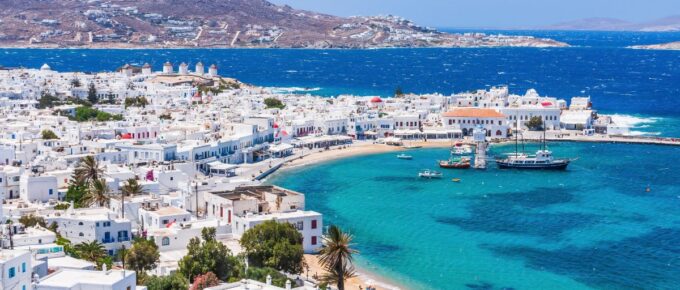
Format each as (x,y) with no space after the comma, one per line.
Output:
(362,279)
(279,48)
(353,150)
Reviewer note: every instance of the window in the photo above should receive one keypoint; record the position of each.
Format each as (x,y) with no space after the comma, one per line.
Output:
(313,224)
(313,240)
(51,191)
(165,241)
(80,223)
(12,272)
(23,267)
(81,234)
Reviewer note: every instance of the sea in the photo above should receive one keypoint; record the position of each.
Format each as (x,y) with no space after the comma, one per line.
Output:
(611,221)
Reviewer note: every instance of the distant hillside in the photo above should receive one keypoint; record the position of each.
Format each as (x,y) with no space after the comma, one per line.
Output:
(664,46)
(215,23)
(671,23)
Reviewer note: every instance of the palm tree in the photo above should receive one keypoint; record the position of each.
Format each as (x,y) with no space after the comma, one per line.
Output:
(88,170)
(336,255)
(97,194)
(131,188)
(92,251)
(331,277)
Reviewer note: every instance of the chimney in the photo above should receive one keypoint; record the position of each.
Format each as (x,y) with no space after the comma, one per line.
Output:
(269,279)
(288,287)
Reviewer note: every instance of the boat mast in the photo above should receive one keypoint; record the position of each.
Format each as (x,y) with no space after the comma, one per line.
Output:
(544,136)
(516,133)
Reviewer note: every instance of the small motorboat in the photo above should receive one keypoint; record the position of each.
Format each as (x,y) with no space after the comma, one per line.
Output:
(429,174)
(455,163)
(412,146)
(404,156)
(455,179)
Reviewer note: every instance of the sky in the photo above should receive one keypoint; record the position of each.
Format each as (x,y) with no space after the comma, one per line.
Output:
(494,13)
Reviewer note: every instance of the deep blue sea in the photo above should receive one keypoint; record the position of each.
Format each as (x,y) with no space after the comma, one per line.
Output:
(591,227)
(641,84)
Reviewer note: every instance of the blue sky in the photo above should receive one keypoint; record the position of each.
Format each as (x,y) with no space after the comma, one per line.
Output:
(494,13)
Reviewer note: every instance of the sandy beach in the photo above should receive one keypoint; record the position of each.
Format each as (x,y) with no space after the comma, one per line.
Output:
(355,149)
(361,281)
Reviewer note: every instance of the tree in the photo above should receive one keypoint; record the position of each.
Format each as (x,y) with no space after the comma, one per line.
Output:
(47,101)
(92,251)
(75,82)
(92,94)
(88,170)
(174,281)
(48,134)
(535,123)
(68,247)
(274,103)
(143,256)
(75,193)
(31,221)
(276,245)
(336,255)
(132,188)
(398,92)
(209,255)
(97,194)
(260,274)
(204,281)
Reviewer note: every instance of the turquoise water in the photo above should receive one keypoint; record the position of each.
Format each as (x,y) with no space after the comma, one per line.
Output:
(592,227)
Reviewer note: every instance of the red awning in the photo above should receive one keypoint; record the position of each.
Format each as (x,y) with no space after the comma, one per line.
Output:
(126,136)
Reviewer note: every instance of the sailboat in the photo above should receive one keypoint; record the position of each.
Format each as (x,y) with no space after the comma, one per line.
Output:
(542,160)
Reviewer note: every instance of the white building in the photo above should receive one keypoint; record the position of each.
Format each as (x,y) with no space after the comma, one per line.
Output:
(38,188)
(15,266)
(93,224)
(156,218)
(72,279)
(467,119)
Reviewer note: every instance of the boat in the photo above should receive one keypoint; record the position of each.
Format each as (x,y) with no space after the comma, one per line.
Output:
(429,174)
(411,146)
(455,163)
(461,149)
(404,156)
(542,160)
(455,179)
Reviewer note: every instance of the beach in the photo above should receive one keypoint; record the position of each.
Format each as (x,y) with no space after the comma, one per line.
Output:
(360,281)
(358,148)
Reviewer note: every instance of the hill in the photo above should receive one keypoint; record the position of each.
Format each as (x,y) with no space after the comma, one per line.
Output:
(216,23)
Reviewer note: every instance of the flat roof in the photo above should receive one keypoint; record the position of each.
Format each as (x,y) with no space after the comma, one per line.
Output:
(69,278)
(473,113)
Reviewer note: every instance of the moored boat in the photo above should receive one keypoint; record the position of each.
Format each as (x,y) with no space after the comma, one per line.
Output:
(542,160)
(453,163)
(404,156)
(429,174)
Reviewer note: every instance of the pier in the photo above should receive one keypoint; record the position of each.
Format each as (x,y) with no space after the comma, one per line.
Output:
(558,136)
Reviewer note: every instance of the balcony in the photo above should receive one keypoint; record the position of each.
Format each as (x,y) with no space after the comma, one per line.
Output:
(109,240)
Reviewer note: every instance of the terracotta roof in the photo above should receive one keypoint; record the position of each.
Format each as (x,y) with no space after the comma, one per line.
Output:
(473,113)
